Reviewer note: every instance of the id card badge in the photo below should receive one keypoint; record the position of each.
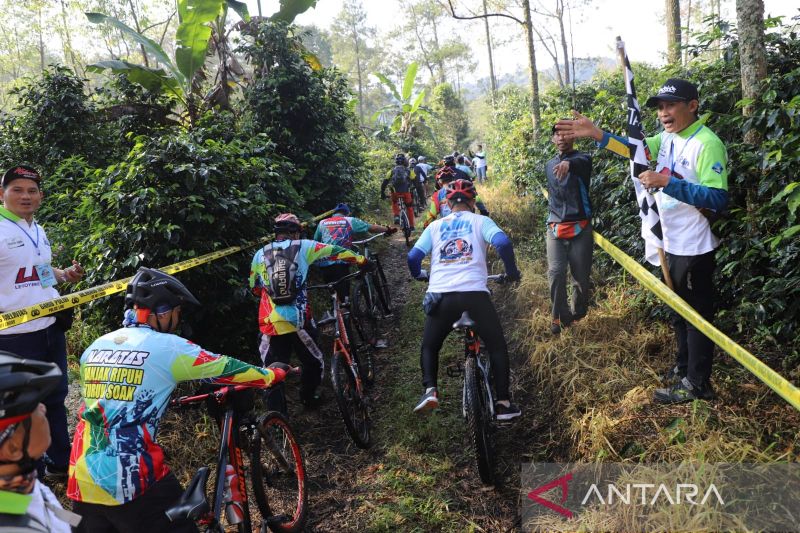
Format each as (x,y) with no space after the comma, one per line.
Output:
(46,275)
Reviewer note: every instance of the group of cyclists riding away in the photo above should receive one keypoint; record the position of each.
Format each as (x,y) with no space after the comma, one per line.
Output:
(118,476)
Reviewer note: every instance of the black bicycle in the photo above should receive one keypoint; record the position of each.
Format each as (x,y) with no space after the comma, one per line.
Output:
(275,468)
(477,397)
(371,301)
(405,224)
(350,389)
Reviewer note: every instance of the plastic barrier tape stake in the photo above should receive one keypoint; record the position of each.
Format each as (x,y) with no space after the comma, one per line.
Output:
(26,314)
(769,377)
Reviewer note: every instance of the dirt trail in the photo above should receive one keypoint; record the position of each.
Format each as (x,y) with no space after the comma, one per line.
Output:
(419,473)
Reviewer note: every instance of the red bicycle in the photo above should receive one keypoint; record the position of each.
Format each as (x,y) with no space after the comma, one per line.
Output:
(274,465)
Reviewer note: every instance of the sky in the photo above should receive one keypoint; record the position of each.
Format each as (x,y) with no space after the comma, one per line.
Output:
(594,28)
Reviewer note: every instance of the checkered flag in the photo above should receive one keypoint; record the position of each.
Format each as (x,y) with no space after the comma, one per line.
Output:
(640,157)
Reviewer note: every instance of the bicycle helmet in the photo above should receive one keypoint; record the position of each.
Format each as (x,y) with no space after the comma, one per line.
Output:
(421,159)
(287,223)
(460,191)
(157,291)
(412,161)
(342,208)
(24,383)
(449,161)
(400,159)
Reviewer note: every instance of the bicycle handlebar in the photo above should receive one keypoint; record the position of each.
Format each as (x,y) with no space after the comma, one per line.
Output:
(332,285)
(365,241)
(222,392)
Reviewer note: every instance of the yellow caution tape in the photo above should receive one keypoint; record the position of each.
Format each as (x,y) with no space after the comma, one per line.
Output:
(772,379)
(42,309)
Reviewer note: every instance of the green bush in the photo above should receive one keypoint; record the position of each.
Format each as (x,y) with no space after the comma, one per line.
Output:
(759,260)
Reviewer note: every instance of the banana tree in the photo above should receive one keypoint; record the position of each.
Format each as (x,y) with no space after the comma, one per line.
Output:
(405,112)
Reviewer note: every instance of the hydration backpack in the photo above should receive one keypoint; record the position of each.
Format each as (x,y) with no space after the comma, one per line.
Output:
(281,271)
(400,176)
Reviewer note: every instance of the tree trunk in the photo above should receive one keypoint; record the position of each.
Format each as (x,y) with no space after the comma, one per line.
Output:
(752,53)
(673,22)
(688,32)
(440,62)
(560,14)
(41,41)
(492,79)
(138,30)
(68,51)
(534,74)
(360,75)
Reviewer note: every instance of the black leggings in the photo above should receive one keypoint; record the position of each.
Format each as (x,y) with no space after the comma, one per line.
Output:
(440,323)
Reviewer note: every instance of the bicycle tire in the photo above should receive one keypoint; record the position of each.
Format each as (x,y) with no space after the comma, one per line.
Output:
(352,408)
(278,476)
(382,287)
(476,411)
(365,324)
(405,225)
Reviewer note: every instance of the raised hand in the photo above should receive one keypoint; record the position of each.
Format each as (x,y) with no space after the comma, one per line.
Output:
(578,128)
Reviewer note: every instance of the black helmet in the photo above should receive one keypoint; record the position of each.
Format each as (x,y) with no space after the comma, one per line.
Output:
(449,161)
(24,383)
(400,159)
(153,289)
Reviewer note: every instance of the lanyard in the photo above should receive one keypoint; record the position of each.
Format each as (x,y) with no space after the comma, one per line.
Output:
(36,242)
(672,147)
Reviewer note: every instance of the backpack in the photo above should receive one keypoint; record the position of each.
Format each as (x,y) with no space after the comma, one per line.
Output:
(281,271)
(400,176)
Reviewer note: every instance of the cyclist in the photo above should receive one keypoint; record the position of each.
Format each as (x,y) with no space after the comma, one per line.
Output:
(278,276)
(439,206)
(26,504)
(458,244)
(420,175)
(465,168)
(118,478)
(338,229)
(426,168)
(400,178)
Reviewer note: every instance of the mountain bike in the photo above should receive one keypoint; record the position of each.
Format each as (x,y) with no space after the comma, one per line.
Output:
(275,468)
(415,200)
(405,224)
(346,377)
(477,397)
(371,301)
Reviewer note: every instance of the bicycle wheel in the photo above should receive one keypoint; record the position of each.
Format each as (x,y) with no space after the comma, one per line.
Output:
(478,423)
(382,287)
(365,323)
(278,475)
(405,226)
(351,405)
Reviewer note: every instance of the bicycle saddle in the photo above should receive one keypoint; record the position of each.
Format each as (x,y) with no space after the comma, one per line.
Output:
(192,502)
(464,322)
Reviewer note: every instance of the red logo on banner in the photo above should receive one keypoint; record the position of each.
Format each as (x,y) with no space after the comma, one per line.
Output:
(562,482)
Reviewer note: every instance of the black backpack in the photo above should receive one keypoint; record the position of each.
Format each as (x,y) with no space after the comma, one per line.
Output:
(281,271)
(400,176)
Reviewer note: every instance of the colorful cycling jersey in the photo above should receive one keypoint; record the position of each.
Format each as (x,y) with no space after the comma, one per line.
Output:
(126,379)
(280,319)
(457,244)
(695,159)
(339,230)
(439,207)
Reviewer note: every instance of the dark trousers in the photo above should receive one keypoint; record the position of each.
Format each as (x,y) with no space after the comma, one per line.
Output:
(439,324)
(145,513)
(337,271)
(575,253)
(278,349)
(49,345)
(693,279)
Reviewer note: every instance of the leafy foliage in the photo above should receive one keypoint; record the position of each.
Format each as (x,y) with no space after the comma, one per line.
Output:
(306,113)
(759,260)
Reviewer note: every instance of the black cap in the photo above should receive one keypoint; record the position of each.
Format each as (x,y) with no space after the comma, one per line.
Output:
(674,90)
(21,172)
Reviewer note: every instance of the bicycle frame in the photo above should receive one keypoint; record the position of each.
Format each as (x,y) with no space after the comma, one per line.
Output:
(341,341)
(229,452)
(368,280)
(472,348)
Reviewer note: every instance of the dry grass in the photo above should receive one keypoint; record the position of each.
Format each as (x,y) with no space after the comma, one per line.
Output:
(600,375)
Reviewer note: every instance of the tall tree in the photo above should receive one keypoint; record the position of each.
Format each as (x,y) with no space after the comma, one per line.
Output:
(752,53)
(351,27)
(527,25)
(673,20)
(558,14)
(492,78)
